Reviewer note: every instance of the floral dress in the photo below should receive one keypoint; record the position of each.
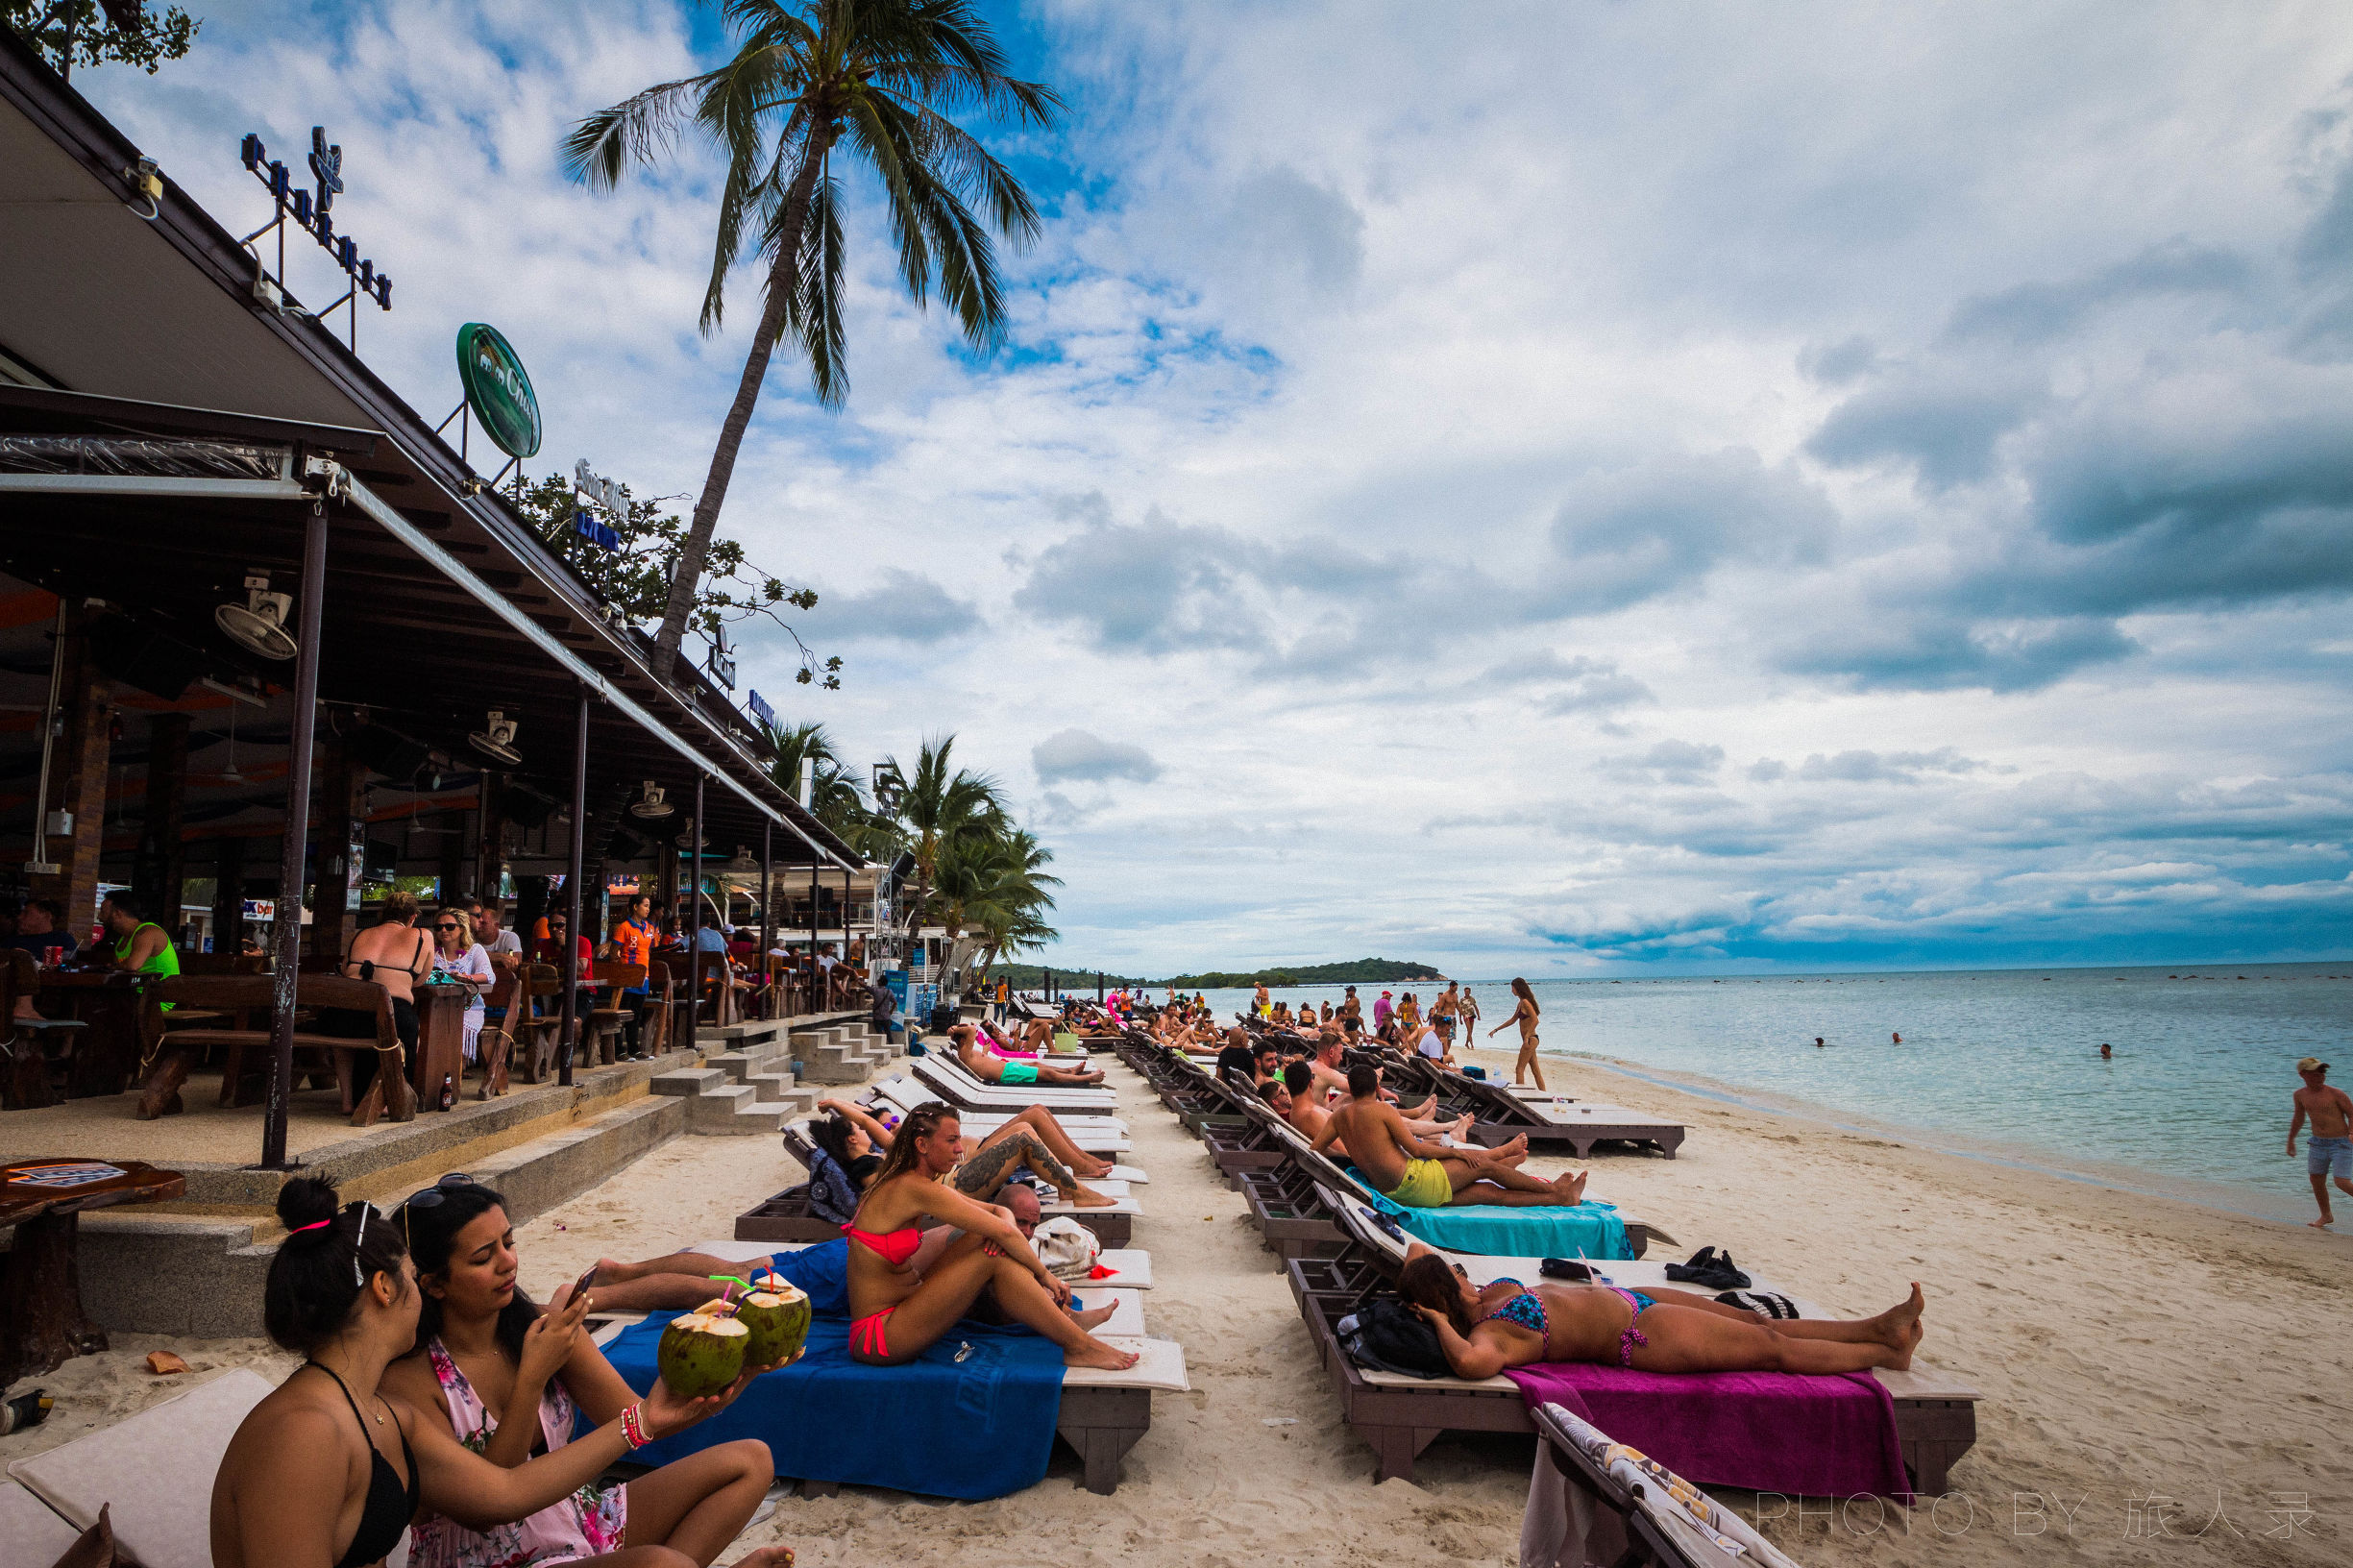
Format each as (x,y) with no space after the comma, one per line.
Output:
(584,1524)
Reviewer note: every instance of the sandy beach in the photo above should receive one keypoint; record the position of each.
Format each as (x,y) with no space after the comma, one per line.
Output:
(2127,1349)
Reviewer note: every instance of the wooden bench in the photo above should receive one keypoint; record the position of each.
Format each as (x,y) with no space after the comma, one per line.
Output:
(244,1005)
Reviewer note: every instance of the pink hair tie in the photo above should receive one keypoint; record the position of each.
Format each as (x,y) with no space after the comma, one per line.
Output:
(312,1226)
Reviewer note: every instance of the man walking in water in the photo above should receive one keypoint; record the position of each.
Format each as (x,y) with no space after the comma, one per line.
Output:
(1420,1174)
(2330,1154)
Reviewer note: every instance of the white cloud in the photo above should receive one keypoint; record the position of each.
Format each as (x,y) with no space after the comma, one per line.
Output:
(1573,486)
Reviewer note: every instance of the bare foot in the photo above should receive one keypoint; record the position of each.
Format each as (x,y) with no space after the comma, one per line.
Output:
(1093,1171)
(612,1272)
(1515,1151)
(1087,1197)
(1906,1342)
(1899,1325)
(767,1557)
(2323,1222)
(1096,1353)
(1572,1185)
(1093,1317)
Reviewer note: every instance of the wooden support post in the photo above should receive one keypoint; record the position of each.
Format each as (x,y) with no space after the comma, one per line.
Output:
(490,841)
(87,703)
(572,886)
(228,895)
(165,863)
(768,914)
(337,870)
(286,935)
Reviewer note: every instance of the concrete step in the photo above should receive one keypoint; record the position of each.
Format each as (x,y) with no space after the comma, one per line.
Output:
(734,1110)
(687,1080)
(217,1270)
(769,1087)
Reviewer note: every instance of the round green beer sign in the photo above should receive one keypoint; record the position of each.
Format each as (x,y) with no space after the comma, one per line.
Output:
(498,390)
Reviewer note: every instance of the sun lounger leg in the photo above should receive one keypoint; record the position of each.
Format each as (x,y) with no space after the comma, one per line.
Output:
(819,1488)
(1397,1448)
(1101,1425)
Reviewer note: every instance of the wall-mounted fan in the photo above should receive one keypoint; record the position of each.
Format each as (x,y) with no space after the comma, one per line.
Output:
(258,626)
(650,807)
(496,740)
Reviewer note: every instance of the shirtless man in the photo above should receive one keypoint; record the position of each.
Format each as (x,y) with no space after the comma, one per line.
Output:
(991,1068)
(2330,1154)
(1259,1007)
(1331,1078)
(1421,1174)
(1301,1105)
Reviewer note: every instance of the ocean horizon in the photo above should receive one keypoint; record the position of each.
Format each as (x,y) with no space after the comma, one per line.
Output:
(2000,1065)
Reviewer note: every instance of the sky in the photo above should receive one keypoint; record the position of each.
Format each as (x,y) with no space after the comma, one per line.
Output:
(1552,489)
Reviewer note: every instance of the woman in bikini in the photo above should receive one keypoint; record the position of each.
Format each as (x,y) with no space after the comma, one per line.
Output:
(1525,1014)
(1505,1324)
(896,1312)
(484,1350)
(328,1470)
(397,956)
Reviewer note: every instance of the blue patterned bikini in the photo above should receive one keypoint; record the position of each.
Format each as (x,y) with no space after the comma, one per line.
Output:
(1526,1310)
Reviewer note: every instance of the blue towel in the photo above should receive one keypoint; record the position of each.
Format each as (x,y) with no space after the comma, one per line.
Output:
(977,1429)
(822,1271)
(1590,1230)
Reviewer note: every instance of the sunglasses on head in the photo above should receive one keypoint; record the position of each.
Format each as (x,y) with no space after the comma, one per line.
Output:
(430,1197)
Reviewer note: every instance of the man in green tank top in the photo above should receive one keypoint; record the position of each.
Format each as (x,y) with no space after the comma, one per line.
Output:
(140,945)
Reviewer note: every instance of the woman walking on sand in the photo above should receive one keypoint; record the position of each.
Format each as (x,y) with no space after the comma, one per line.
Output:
(1525,1015)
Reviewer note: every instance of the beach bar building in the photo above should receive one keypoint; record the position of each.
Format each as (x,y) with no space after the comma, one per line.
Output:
(255,615)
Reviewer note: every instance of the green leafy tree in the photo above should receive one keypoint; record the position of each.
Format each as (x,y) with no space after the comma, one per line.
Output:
(635,578)
(70,33)
(941,807)
(877,79)
(836,801)
(996,883)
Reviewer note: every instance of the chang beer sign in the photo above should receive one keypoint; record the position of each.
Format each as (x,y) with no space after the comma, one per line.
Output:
(498,390)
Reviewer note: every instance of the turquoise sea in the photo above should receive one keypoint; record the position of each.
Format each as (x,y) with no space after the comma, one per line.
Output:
(2000,1065)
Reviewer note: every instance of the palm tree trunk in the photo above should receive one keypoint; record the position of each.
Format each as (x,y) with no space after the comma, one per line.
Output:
(783,278)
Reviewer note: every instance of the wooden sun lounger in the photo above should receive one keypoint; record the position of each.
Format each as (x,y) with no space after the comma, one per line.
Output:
(1554,1120)
(1936,1419)
(1091,1130)
(1295,1218)
(1103,1414)
(953,1084)
(1627,1530)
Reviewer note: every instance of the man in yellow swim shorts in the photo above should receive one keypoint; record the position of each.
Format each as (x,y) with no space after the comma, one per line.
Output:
(1420,1174)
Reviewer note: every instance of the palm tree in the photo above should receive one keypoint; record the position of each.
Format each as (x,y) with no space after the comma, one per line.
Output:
(878,77)
(835,800)
(943,807)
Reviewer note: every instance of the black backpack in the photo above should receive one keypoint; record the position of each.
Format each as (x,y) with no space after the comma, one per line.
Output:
(1388,1336)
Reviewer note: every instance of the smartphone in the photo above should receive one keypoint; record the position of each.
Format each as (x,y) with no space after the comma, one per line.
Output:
(582,1282)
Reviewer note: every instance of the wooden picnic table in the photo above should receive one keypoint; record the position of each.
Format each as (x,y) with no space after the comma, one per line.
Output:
(107,1000)
(441,1040)
(41,1321)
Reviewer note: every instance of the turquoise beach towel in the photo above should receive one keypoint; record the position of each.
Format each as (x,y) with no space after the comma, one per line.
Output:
(1590,1230)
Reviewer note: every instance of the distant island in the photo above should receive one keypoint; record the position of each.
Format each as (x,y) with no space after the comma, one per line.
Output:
(1355,971)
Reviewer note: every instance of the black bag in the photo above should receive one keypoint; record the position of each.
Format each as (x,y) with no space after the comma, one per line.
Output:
(1388,1336)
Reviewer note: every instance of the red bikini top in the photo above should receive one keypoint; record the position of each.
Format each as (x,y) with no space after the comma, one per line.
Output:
(894,1249)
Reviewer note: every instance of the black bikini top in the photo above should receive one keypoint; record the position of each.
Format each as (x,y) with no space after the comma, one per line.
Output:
(384,1518)
(368,966)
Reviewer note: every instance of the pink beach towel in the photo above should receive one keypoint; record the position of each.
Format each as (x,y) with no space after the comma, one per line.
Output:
(1767,1431)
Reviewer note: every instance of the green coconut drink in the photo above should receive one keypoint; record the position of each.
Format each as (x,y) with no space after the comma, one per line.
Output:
(776,1311)
(702,1352)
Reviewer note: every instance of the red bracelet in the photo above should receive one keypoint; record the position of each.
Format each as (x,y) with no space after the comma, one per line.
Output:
(633,1427)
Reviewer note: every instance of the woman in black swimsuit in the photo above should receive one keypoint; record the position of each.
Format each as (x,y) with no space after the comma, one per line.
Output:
(311,1478)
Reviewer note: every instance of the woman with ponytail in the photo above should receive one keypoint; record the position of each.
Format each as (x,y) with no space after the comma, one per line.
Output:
(328,1471)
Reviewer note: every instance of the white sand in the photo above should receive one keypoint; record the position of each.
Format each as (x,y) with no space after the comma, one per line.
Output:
(2125,1346)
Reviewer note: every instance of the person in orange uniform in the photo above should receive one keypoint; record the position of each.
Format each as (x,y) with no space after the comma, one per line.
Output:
(633,941)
